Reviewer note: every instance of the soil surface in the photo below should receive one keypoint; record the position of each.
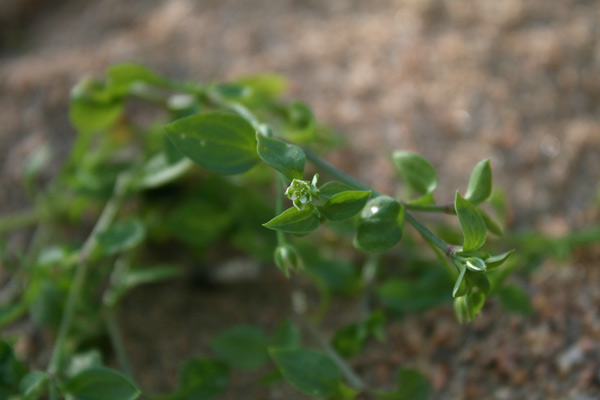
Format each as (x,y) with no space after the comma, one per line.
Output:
(511,80)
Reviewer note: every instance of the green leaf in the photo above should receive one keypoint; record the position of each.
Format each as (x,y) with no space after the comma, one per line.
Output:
(263,88)
(473,227)
(33,385)
(83,361)
(491,225)
(286,335)
(496,261)
(243,347)
(345,205)
(515,300)
(296,221)
(380,226)
(122,76)
(420,175)
(302,122)
(336,276)
(311,372)
(480,183)
(121,236)
(349,340)
(99,383)
(224,143)
(330,189)
(89,117)
(200,379)
(286,158)
(11,370)
(412,385)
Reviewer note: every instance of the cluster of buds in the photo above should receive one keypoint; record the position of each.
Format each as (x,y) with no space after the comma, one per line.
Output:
(303,192)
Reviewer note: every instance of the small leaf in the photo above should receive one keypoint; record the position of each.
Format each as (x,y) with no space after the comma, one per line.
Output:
(263,88)
(100,383)
(286,335)
(33,385)
(491,225)
(200,379)
(417,171)
(286,158)
(122,236)
(243,347)
(296,221)
(89,117)
(311,372)
(473,227)
(380,226)
(83,361)
(345,205)
(412,385)
(515,300)
(122,76)
(496,261)
(158,171)
(330,189)
(224,143)
(480,183)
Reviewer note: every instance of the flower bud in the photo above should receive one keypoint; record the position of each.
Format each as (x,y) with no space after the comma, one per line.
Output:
(476,264)
(286,259)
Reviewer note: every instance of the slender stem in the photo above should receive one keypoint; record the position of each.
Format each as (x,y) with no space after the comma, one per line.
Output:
(446,208)
(18,220)
(117,341)
(345,369)
(280,182)
(108,214)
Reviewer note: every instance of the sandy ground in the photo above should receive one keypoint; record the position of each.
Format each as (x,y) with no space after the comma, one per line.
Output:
(514,81)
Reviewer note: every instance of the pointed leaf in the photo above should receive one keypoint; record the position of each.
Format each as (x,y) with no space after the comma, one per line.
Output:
(286,158)
(122,76)
(100,383)
(380,226)
(496,261)
(480,183)
(473,227)
(243,346)
(311,372)
(33,385)
(224,143)
(345,205)
(417,171)
(296,221)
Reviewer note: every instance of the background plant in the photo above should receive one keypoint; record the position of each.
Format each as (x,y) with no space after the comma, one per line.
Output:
(138,178)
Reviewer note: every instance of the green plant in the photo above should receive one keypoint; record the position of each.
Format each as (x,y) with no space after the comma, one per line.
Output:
(138,179)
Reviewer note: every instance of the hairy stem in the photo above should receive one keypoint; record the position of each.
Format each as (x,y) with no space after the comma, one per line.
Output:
(108,214)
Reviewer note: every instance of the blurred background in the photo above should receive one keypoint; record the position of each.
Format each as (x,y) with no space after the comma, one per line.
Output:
(515,81)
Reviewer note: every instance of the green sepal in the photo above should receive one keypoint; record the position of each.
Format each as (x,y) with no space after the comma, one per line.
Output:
(220,142)
(473,226)
(295,221)
(286,158)
(480,183)
(344,205)
(380,225)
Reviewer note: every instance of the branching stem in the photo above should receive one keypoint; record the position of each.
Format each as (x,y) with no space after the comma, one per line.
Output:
(108,214)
